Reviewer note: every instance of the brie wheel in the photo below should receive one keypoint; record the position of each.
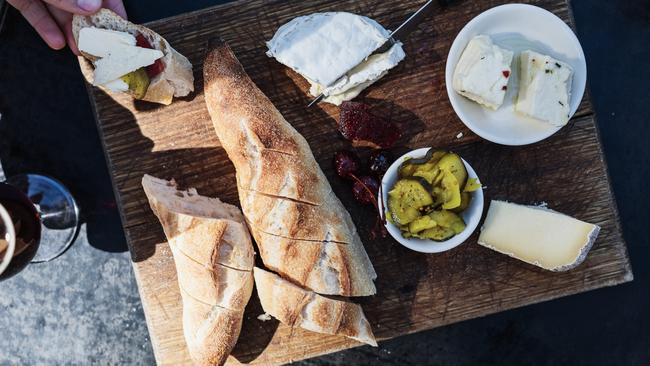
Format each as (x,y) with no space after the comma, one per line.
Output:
(322,47)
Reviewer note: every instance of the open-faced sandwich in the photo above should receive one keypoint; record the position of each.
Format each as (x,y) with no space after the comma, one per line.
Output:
(131,58)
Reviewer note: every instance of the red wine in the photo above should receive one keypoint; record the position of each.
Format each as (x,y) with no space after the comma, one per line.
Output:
(27,225)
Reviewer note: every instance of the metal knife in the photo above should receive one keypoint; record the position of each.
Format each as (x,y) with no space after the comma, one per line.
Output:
(402,31)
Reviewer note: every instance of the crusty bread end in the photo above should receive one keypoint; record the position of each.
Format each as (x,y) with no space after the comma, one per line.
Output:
(214,258)
(295,306)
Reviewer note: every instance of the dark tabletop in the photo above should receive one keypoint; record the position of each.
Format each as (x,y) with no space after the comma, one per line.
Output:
(84,308)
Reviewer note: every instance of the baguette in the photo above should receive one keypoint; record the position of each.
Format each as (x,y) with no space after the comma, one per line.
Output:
(328,266)
(176,80)
(284,194)
(294,306)
(214,258)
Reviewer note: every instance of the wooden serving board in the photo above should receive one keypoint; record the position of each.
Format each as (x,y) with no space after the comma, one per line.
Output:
(415,291)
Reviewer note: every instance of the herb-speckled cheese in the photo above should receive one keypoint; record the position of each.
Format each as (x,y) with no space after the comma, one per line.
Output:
(483,71)
(544,88)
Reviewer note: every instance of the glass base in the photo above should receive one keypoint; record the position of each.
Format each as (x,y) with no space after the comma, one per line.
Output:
(58,211)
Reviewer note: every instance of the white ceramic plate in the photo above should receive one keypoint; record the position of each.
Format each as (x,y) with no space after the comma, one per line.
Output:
(471,216)
(517,27)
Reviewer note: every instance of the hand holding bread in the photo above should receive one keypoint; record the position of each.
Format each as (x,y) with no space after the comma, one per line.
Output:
(131,58)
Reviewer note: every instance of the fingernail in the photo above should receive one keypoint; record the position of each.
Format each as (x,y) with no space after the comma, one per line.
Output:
(89,5)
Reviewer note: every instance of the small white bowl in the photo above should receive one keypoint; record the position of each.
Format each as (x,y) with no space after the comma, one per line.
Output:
(517,27)
(471,216)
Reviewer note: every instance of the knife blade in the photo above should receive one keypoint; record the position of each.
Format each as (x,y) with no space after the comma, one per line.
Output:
(401,31)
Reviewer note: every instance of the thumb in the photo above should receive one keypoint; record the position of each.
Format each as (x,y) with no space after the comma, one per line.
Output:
(83,7)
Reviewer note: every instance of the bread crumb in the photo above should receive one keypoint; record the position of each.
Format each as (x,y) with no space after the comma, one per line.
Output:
(264,317)
(460,135)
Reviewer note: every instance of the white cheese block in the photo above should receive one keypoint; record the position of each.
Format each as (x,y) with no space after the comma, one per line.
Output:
(100,42)
(117,51)
(123,62)
(361,77)
(323,47)
(537,235)
(483,71)
(117,86)
(544,88)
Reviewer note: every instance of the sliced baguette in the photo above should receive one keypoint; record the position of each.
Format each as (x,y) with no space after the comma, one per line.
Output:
(294,306)
(210,331)
(329,267)
(176,80)
(214,258)
(282,190)
(280,216)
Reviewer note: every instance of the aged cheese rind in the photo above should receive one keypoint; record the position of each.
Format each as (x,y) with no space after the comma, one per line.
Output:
(537,235)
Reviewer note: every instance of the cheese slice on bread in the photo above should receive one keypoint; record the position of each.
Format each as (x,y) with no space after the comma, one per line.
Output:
(131,58)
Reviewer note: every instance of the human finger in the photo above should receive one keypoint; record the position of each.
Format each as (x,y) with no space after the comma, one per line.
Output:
(116,6)
(64,20)
(41,20)
(84,7)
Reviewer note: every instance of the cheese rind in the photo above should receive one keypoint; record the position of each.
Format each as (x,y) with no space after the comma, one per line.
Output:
(537,235)
(483,72)
(361,77)
(544,88)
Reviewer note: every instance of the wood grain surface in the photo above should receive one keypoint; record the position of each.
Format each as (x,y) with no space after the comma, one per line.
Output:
(415,291)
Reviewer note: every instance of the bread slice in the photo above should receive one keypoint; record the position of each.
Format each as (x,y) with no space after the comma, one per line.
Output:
(294,306)
(176,80)
(214,258)
(210,331)
(205,229)
(324,267)
(282,190)
(284,217)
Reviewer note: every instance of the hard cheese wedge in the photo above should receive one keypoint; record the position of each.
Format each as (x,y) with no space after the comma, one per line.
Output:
(537,235)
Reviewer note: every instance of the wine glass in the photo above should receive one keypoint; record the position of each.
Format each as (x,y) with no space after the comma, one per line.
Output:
(43,221)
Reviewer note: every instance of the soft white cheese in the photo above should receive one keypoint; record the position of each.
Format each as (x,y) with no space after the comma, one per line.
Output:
(537,235)
(117,52)
(117,85)
(100,42)
(544,88)
(322,47)
(483,71)
(360,77)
